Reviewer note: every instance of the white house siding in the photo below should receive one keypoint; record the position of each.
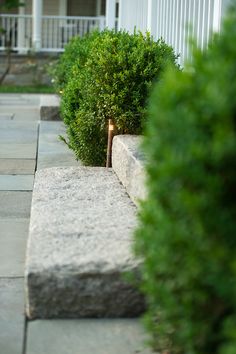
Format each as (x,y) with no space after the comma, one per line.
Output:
(175,20)
(133,14)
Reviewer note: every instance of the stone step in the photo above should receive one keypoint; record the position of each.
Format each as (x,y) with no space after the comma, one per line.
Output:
(80,246)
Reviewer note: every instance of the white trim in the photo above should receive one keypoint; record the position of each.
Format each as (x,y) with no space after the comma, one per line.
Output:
(37,11)
(152,17)
(21,30)
(217,15)
(110,13)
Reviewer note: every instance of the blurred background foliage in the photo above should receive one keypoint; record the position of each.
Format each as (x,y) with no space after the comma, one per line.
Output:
(187,225)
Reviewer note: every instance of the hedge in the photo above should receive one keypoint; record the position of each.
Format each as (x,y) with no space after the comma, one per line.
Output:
(112,80)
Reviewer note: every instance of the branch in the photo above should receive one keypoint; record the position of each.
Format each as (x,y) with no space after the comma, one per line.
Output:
(8,52)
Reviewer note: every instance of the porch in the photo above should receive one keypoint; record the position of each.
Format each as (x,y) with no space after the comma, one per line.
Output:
(43,26)
(56,31)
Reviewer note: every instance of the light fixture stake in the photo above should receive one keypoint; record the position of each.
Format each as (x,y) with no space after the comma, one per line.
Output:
(111,133)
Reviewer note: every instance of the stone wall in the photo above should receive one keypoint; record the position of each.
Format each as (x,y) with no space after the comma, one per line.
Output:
(28,69)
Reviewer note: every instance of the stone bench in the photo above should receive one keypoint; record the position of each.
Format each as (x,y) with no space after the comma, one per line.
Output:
(80,246)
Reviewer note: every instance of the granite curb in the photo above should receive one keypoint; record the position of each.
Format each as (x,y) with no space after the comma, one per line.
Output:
(128,162)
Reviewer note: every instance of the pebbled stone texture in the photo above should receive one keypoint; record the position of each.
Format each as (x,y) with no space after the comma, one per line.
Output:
(128,163)
(80,245)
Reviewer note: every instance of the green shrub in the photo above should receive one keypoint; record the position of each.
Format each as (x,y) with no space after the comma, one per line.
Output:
(113,82)
(76,51)
(187,231)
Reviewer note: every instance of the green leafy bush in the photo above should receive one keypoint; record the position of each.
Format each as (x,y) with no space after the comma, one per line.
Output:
(76,52)
(187,231)
(112,81)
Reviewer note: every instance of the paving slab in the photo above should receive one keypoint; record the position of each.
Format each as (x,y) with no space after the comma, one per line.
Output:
(16,183)
(17,166)
(122,336)
(52,147)
(18,132)
(19,99)
(52,128)
(11,316)
(52,152)
(6,116)
(21,151)
(15,204)
(13,238)
(56,160)
(21,113)
(80,246)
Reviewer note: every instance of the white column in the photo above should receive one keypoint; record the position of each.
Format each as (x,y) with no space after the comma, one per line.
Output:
(217,15)
(37,24)
(110,13)
(21,31)
(152,17)
(120,18)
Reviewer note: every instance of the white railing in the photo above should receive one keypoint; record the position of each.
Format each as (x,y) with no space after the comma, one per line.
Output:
(16,32)
(174,20)
(56,31)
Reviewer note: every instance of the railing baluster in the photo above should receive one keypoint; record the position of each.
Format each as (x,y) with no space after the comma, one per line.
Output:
(56,30)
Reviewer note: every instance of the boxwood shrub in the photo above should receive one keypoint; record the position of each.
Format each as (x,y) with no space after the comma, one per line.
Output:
(187,230)
(76,52)
(112,80)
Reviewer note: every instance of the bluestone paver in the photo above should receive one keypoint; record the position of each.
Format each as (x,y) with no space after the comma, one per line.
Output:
(11,316)
(52,152)
(15,204)
(18,132)
(56,159)
(16,183)
(92,336)
(17,166)
(6,116)
(13,238)
(21,151)
(19,100)
(21,113)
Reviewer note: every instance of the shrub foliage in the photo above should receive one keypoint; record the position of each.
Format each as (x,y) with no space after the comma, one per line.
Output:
(111,78)
(187,231)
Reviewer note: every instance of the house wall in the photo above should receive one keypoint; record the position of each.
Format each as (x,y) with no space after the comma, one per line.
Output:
(84,8)
(174,20)
(133,13)
(51,7)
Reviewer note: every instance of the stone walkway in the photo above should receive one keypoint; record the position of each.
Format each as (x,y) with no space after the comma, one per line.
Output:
(26,145)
